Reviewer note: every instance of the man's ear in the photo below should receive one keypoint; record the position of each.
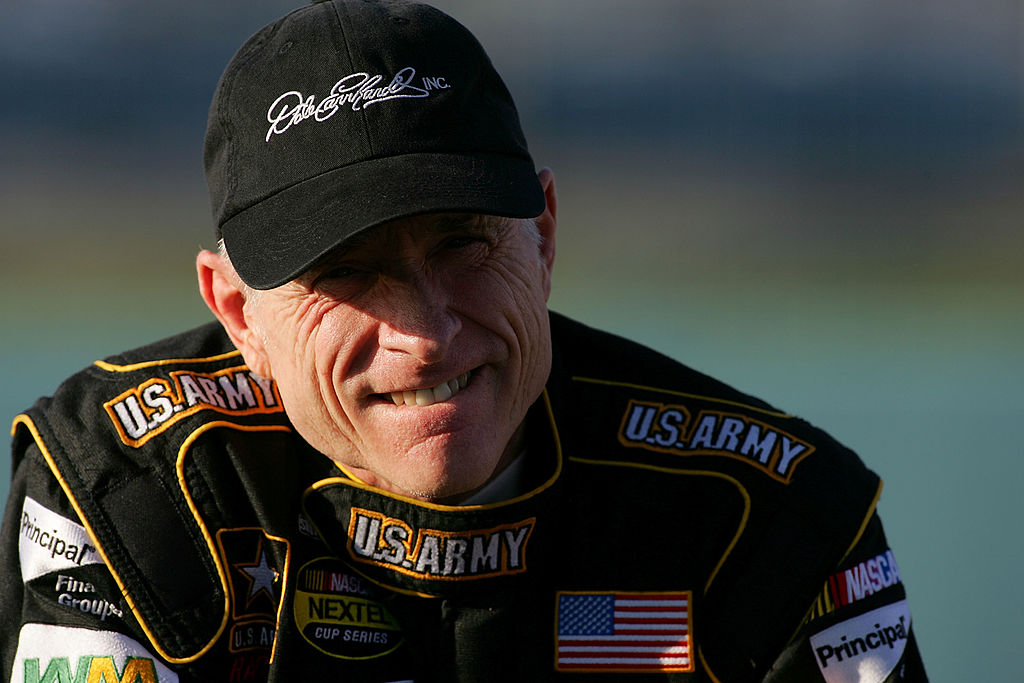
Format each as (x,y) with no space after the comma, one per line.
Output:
(547,223)
(223,293)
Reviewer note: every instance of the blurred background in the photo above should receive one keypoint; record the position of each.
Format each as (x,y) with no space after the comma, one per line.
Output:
(818,201)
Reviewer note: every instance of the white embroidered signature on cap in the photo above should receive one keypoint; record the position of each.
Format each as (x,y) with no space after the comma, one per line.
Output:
(359,90)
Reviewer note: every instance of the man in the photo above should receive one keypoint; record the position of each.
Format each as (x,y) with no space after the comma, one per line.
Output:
(387,461)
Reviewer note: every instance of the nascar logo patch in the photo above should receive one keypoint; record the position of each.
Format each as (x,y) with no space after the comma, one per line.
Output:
(624,632)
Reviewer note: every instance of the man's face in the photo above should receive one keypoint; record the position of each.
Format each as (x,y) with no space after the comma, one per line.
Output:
(412,353)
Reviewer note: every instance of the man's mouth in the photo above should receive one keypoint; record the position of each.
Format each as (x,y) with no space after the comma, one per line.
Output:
(430,396)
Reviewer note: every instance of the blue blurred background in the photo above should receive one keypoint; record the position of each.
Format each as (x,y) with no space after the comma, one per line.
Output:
(818,201)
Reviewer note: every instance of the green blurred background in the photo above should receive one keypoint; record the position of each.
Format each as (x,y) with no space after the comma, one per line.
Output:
(818,201)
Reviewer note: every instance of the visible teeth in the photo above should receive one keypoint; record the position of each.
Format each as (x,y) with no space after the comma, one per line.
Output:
(428,397)
(442,392)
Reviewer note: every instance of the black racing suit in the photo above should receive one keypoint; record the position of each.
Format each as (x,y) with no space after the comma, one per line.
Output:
(166,523)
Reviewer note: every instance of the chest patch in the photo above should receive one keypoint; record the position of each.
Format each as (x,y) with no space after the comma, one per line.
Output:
(338,615)
(153,406)
(672,429)
(376,539)
(623,632)
(257,570)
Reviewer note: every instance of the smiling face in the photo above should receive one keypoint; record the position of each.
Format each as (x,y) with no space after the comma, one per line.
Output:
(411,354)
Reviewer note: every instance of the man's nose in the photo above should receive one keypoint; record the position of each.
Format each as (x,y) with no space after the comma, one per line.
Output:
(418,320)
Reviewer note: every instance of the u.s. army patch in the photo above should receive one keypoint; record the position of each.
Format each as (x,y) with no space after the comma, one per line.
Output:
(394,544)
(256,564)
(672,429)
(142,412)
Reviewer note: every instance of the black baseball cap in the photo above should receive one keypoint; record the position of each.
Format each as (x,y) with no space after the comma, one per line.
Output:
(347,114)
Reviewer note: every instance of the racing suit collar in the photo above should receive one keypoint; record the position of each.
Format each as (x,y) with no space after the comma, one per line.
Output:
(426,548)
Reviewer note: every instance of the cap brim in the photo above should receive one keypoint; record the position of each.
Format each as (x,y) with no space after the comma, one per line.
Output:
(275,240)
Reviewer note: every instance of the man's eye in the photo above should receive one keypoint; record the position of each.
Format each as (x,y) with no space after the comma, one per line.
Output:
(338,273)
(463,241)
(339,276)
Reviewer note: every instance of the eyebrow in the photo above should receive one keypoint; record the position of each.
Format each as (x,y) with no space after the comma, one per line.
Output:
(443,224)
(448,223)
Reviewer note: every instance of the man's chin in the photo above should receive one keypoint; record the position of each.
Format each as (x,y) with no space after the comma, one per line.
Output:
(440,479)
(445,490)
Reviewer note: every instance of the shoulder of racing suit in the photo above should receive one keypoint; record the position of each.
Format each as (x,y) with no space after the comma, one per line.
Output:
(791,501)
(167,442)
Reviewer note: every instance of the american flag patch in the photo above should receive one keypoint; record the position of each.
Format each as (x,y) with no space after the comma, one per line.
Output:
(624,632)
